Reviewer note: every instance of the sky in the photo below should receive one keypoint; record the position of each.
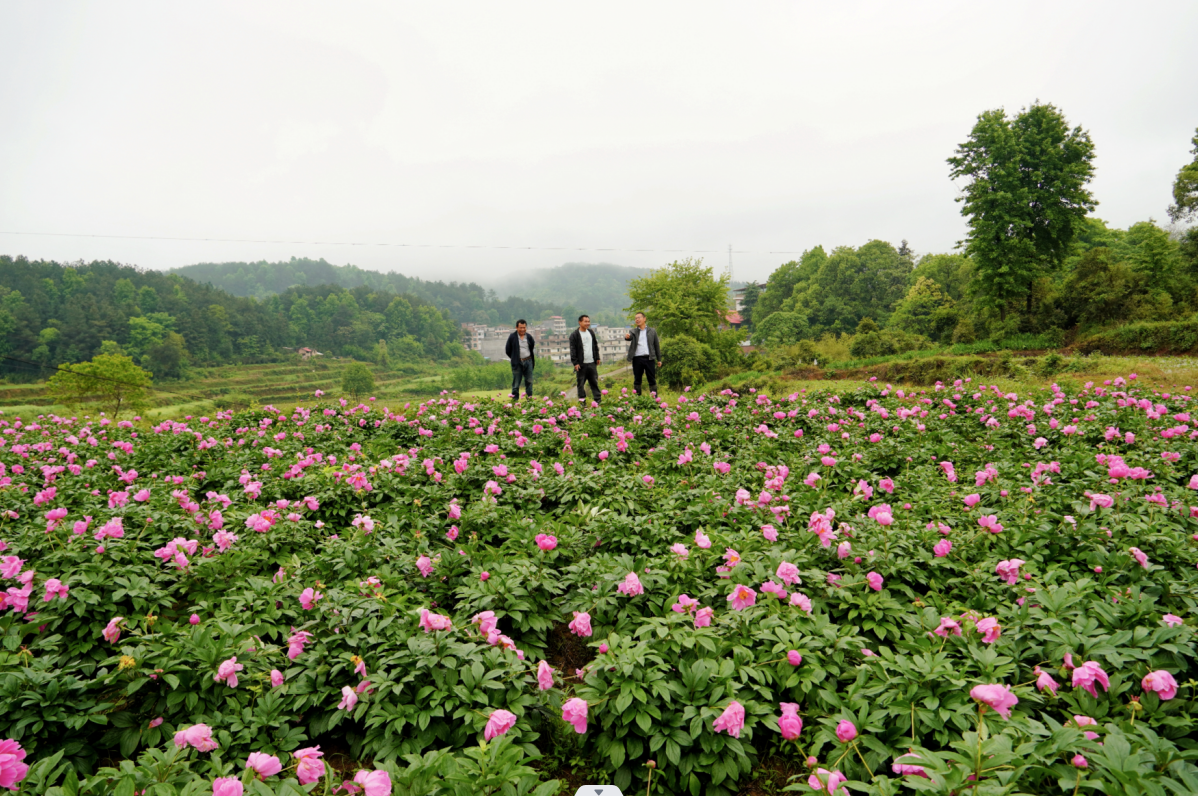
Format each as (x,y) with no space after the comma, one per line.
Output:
(470,141)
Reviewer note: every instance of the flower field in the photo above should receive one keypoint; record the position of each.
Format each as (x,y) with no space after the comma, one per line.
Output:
(952,590)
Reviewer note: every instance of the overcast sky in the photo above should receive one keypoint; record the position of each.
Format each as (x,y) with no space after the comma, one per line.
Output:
(771,126)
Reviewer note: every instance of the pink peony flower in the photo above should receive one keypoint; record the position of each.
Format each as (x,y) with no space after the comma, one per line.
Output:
(874,580)
(1009,570)
(431,622)
(942,548)
(794,658)
(631,586)
(1139,556)
(295,644)
(701,540)
(1161,683)
(276,678)
(264,765)
(846,731)
(908,769)
(703,617)
(198,736)
(972,500)
(1171,620)
(581,624)
(998,697)
(990,629)
(1044,681)
(227,786)
(544,676)
(12,770)
(309,597)
(498,723)
(788,573)
(546,542)
(375,783)
(112,631)
(948,627)
(829,782)
(574,712)
(742,597)
(227,672)
(789,723)
(680,551)
(1089,673)
(309,767)
(732,720)
(348,699)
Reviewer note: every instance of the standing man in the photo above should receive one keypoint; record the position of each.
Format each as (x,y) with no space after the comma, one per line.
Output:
(644,352)
(520,350)
(584,355)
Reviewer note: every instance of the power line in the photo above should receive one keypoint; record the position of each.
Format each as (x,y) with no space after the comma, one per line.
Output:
(392,245)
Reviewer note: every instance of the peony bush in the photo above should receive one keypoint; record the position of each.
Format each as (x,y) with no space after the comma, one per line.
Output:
(943,589)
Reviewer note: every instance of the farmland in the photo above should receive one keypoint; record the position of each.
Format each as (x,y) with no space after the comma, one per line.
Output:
(960,585)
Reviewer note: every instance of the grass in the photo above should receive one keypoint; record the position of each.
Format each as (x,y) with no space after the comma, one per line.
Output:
(287,384)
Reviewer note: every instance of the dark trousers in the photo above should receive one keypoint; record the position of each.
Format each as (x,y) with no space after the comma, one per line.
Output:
(588,373)
(522,371)
(646,366)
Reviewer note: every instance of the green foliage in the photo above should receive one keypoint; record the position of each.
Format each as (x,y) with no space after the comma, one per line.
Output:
(687,362)
(1165,337)
(891,341)
(781,328)
(1185,188)
(1025,198)
(926,310)
(681,299)
(110,382)
(357,380)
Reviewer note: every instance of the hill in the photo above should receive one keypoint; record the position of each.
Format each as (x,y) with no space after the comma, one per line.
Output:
(599,289)
(464,301)
(54,313)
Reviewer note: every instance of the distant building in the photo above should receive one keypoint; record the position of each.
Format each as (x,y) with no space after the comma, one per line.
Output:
(308,353)
(738,297)
(557,324)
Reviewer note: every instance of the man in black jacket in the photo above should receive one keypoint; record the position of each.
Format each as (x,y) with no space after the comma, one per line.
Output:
(584,355)
(520,350)
(644,352)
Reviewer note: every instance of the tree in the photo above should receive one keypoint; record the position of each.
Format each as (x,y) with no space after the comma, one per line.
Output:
(1185,188)
(357,380)
(1025,198)
(781,328)
(683,298)
(926,310)
(687,362)
(110,381)
(748,302)
(166,358)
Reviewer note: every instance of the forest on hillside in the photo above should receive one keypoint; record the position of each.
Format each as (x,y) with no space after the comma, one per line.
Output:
(467,302)
(54,313)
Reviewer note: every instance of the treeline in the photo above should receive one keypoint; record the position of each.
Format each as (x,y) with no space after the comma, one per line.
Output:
(1035,261)
(465,301)
(53,313)
(1111,277)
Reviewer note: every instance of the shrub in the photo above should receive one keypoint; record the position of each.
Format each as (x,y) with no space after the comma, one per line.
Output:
(357,380)
(686,361)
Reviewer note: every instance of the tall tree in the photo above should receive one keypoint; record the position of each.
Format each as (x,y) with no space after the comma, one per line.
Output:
(1025,198)
(683,298)
(1185,188)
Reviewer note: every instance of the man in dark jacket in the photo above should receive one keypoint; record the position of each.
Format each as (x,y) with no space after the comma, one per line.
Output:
(520,350)
(644,352)
(584,355)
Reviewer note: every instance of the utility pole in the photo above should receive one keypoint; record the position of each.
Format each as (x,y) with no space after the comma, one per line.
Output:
(729,263)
